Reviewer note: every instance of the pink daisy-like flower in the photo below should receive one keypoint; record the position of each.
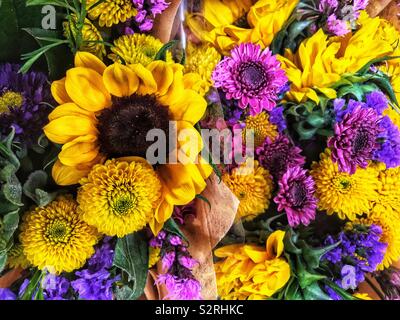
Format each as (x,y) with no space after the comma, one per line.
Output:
(296,196)
(252,76)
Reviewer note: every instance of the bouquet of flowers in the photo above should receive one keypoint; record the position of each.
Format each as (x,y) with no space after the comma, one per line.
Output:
(190,150)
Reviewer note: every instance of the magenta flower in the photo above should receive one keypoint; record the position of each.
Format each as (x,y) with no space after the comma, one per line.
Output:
(336,26)
(252,76)
(355,139)
(296,196)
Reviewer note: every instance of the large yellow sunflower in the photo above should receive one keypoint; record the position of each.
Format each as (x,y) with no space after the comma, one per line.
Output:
(106,112)
(251,271)
(56,238)
(339,192)
(226,23)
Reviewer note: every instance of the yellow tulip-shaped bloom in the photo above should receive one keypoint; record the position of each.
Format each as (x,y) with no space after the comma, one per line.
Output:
(251,271)
(227,23)
(106,112)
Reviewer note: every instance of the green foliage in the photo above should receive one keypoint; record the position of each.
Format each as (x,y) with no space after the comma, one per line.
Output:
(162,53)
(172,227)
(132,258)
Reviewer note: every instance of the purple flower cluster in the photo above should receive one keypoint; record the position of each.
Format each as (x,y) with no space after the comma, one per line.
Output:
(23,99)
(277,118)
(251,76)
(341,15)
(177,266)
(365,134)
(360,251)
(147,10)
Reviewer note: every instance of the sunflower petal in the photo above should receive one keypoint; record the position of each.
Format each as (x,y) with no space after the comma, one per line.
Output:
(148,85)
(88,60)
(189,142)
(69,109)
(163,75)
(58,91)
(80,150)
(65,175)
(190,107)
(120,80)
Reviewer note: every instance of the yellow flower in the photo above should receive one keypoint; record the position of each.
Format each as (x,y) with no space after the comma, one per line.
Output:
(251,271)
(392,113)
(253,185)
(111,12)
(262,128)
(137,48)
(200,63)
(91,37)
(362,296)
(227,23)
(120,197)
(154,256)
(106,112)
(56,238)
(10,99)
(390,235)
(16,258)
(342,193)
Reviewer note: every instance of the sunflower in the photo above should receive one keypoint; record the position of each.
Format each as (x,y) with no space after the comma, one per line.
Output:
(248,271)
(16,258)
(261,127)
(111,12)
(390,235)
(56,238)
(106,112)
(253,185)
(137,48)
(200,62)
(342,193)
(227,23)
(91,37)
(120,197)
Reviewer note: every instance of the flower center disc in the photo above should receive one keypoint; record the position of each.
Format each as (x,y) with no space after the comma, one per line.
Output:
(123,127)
(252,76)
(10,99)
(298,194)
(58,231)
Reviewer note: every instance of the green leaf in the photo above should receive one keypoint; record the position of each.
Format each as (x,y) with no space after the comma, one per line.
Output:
(314,292)
(3,261)
(203,198)
(32,286)
(162,53)
(292,291)
(33,188)
(10,224)
(368,65)
(12,190)
(172,227)
(305,277)
(340,291)
(58,3)
(8,31)
(312,256)
(123,293)
(132,257)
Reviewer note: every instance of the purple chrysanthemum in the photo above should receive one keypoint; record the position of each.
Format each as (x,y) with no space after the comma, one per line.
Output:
(147,10)
(252,76)
(279,155)
(355,139)
(296,196)
(23,99)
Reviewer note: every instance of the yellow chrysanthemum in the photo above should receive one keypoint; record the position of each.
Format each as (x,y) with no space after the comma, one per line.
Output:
(137,48)
(120,197)
(106,112)
(111,12)
(226,23)
(388,201)
(91,37)
(16,258)
(200,63)
(342,193)
(252,184)
(390,235)
(56,238)
(261,127)
(154,256)
(251,272)
(391,113)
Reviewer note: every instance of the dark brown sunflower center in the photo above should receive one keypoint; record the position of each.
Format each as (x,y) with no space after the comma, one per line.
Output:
(123,127)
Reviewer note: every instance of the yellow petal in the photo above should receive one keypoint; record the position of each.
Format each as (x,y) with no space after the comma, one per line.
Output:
(80,150)
(275,244)
(88,60)
(163,75)
(190,107)
(66,129)
(255,253)
(69,109)
(176,87)
(120,80)
(58,91)
(204,167)
(64,175)
(86,88)
(147,83)
(189,143)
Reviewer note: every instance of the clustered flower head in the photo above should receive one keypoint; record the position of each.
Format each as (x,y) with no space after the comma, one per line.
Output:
(177,265)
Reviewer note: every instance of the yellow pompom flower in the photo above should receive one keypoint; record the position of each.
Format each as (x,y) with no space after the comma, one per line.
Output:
(390,235)
(154,256)
(137,48)
(200,63)
(251,272)
(342,193)
(91,37)
(106,112)
(120,197)
(16,258)
(111,12)
(227,23)
(392,113)
(261,127)
(252,185)
(10,99)
(55,237)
